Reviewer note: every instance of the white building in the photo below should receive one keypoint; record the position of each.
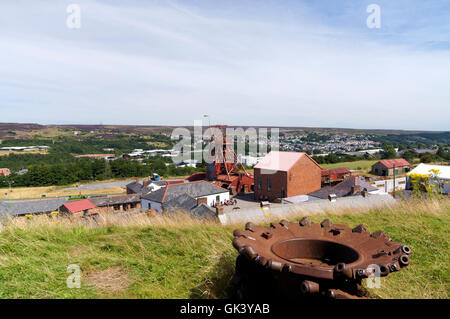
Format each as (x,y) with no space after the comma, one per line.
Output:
(443,175)
(201,191)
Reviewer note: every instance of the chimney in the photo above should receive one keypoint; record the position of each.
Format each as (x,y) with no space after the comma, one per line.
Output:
(219,210)
(356,189)
(137,179)
(332,197)
(201,200)
(145,183)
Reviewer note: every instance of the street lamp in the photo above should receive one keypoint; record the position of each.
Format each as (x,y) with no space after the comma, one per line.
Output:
(209,121)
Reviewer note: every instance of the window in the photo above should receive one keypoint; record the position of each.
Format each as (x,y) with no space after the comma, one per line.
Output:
(269,184)
(116,207)
(259,182)
(396,171)
(218,199)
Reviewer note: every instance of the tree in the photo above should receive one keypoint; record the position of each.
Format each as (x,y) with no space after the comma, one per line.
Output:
(426,158)
(388,152)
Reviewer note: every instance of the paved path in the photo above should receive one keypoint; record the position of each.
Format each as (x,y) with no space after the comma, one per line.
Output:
(99,185)
(281,211)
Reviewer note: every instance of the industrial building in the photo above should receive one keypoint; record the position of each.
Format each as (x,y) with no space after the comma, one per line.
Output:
(390,166)
(286,174)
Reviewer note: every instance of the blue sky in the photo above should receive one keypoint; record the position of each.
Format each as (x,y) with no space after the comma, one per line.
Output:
(278,63)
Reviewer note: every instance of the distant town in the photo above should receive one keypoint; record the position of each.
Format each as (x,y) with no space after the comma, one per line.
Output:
(328,165)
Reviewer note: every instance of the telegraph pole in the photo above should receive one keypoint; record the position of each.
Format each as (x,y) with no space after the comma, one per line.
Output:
(393,192)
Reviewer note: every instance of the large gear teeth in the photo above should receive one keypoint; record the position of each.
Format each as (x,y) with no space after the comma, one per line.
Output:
(326,259)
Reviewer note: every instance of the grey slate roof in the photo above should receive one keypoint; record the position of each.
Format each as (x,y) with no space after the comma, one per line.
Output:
(193,189)
(325,191)
(184,201)
(352,181)
(38,206)
(203,211)
(134,187)
(342,189)
(115,200)
(138,188)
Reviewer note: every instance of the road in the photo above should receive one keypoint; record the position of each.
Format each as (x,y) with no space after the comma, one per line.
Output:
(99,185)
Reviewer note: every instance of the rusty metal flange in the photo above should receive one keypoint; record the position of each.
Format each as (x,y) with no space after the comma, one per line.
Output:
(327,259)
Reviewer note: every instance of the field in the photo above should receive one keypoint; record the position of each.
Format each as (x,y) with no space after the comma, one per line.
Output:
(54,191)
(359,165)
(145,257)
(30,151)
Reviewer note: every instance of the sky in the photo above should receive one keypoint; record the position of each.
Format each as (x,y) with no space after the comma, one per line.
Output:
(266,62)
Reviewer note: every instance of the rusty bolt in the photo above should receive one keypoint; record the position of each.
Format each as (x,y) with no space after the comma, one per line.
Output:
(392,267)
(239,233)
(403,260)
(326,223)
(274,265)
(331,294)
(384,270)
(342,269)
(237,243)
(287,268)
(359,229)
(378,234)
(250,226)
(406,249)
(267,235)
(361,272)
(309,287)
(305,221)
(284,223)
(250,252)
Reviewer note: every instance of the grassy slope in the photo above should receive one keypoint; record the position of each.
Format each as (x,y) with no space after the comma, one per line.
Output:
(360,165)
(156,258)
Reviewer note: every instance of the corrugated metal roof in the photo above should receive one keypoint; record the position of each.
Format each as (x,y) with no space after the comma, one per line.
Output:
(79,205)
(337,170)
(399,162)
(115,200)
(37,206)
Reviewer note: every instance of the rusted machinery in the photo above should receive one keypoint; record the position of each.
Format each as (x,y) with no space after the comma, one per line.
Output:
(225,170)
(306,259)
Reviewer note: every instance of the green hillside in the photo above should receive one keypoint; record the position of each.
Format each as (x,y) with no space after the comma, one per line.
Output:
(146,257)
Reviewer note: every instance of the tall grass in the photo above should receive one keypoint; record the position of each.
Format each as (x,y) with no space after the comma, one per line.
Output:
(137,256)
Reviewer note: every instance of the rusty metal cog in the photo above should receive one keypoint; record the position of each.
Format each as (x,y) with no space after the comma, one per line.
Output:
(309,259)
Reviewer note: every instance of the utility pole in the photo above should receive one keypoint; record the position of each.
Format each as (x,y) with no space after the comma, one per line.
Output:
(393,193)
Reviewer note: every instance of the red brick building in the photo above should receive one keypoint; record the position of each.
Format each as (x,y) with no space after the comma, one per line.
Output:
(386,167)
(4,172)
(333,175)
(286,174)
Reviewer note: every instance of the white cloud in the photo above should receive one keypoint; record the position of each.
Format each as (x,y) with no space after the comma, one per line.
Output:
(169,64)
